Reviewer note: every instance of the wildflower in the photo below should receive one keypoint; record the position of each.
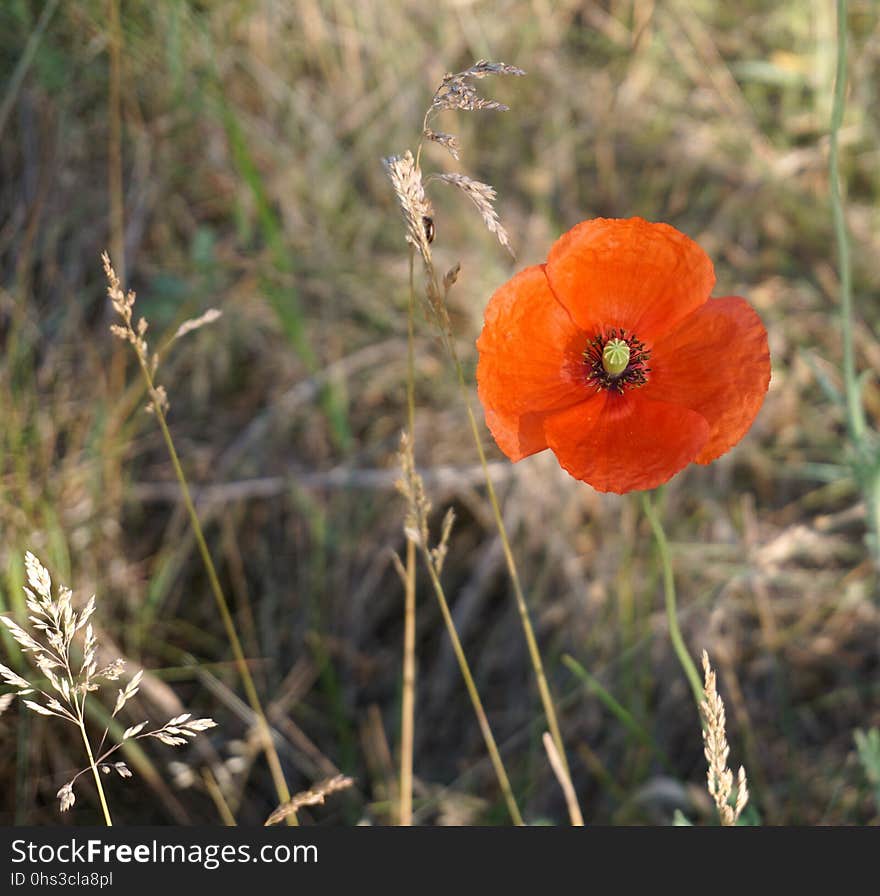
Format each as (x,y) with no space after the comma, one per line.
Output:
(613,355)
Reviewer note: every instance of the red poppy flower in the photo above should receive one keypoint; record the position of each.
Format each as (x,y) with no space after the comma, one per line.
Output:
(613,356)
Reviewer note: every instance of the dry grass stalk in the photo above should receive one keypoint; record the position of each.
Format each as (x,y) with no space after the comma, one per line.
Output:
(408,687)
(418,506)
(456,91)
(449,141)
(408,684)
(482,195)
(123,304)
(314,796)
(565,782)
(404,171)
(196,323)
(215,791)
(417,532)
(134,333)
(406,178)
(58,626)
(716,749)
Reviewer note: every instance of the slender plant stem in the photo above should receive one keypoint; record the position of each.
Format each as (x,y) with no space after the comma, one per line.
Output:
(216,793)
(82,730)
(228,623)
(855,414)
(522,608)
(565,782)
(117,219)
(488,737)
(114,172)
(407,709)
(669,589)
(869,479)
(16,79)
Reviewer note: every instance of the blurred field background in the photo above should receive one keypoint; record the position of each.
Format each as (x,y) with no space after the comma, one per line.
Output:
(232,159)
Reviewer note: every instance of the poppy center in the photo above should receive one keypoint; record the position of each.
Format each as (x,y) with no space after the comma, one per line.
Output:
(616,360)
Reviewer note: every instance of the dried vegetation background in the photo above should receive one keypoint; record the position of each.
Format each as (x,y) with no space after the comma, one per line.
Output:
(252,133)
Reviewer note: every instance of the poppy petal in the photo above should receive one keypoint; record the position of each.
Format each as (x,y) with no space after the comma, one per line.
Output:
(621,443)
(517,436)
(716,362)
(629,273)
(531,362)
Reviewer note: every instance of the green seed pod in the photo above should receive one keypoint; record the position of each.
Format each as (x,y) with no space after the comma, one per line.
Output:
(615,357)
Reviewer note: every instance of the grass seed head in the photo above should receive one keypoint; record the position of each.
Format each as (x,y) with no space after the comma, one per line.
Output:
(717,750)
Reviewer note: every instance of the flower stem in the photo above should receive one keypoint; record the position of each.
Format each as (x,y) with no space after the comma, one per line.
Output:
(681,650)
(407,708)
